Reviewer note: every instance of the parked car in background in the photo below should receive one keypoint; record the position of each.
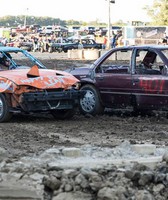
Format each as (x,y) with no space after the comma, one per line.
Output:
(27,86)
(26,45)
(126,77)
(90,44)
(102,31)
(66,45)
(47,30)
(90,29)
(22,43)
(56,46)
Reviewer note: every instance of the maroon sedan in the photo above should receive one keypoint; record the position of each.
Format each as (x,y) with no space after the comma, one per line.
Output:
(133,76)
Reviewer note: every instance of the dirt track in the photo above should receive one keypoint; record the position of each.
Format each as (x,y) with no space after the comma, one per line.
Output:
(26,135)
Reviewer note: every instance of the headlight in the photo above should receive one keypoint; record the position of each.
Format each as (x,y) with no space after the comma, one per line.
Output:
(76,86)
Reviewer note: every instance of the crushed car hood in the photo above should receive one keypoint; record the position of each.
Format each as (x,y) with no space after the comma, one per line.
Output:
(41,79)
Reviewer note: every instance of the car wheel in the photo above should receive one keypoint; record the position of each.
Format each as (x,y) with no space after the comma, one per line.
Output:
(90,103)
(5,115)
(63,114)
(59,50)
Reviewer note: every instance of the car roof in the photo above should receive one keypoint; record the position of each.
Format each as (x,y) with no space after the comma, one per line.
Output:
(127,48)
(154,46)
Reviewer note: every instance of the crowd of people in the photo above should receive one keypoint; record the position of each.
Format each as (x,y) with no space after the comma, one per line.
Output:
(42,42)
(33,41)
(37,41)
(116,39)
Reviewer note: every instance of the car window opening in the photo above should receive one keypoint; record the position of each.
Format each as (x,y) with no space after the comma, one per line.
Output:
(118,62)
(149,63)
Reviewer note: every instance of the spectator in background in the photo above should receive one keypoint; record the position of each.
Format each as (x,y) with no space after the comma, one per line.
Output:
(104,42)
(35,43)
(45,43)
(113,40)
(119,38)
(165,39)
(80,44)
(4,41)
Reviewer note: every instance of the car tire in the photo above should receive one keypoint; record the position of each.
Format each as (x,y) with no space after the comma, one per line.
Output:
(63,114)
(90,103)
(59,50)
(5,115)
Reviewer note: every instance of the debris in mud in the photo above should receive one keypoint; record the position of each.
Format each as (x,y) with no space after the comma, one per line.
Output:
(88,172)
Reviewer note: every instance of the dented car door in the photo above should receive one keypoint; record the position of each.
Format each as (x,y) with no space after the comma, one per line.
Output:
(115,80)
(150,80)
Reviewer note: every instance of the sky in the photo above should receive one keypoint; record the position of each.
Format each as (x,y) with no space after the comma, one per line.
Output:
(80,10)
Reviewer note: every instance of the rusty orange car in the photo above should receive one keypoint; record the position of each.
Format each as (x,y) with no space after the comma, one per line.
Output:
(32,88)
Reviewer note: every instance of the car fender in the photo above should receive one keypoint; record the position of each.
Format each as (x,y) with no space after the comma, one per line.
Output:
(6,86)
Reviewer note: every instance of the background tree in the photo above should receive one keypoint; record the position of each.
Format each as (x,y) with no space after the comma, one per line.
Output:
(14,21)
(158,12)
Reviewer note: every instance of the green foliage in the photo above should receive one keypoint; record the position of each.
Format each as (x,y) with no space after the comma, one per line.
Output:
(158,12)
(72,22)
(14,21)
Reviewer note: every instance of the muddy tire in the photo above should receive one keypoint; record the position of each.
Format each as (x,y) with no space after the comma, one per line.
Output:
(90,103)
(5,115)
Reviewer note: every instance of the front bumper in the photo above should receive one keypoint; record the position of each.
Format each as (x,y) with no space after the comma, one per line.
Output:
(45,101)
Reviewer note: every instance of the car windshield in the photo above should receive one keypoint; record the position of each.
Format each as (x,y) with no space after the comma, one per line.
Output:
(118,59)
(165,52)
(19,59)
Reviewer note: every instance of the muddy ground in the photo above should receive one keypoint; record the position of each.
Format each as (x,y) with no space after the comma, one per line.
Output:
(26,135)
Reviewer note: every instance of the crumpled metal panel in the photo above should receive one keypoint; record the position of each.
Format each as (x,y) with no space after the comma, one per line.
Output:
(6,86)
(47,79)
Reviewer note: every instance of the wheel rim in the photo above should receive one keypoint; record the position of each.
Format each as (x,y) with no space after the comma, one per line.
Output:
(1,107)
(88,102)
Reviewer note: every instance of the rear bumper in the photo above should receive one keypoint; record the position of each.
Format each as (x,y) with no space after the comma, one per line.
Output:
(45,101)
